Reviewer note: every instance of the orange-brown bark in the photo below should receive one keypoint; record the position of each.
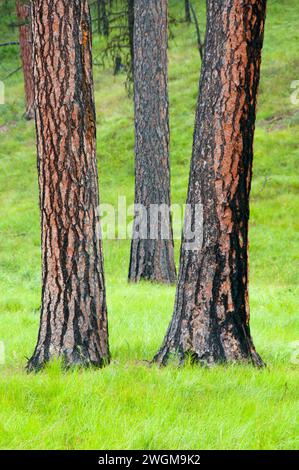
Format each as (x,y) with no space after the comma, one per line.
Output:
(211,315)
(73,322)
(24,17)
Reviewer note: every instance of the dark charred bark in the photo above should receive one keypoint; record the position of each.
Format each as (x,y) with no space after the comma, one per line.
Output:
(24,16)
(187,11)
(210,323)
(73,322)
(152,257)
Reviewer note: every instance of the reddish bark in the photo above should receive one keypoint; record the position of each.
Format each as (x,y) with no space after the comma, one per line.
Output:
(211,314)
(73,322)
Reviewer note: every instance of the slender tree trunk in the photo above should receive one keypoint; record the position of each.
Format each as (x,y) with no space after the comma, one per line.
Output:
(105,18)
(200,45)
(99,12)
(73,321)
(102,17)
(151,255)
(210,323)
(23,13)
(187,11)
(131,33)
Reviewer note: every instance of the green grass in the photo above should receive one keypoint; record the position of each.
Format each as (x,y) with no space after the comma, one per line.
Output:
(129,405)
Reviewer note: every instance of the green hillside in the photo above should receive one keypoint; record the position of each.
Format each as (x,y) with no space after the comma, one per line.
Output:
(130,405)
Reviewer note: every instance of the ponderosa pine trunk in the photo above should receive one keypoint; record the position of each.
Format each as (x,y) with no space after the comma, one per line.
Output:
(152,256)
(24,17)
(210,323)
(73,322)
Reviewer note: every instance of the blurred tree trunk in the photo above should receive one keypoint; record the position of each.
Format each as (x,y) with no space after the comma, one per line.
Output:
(200,45)
(103,19)
(24,17)
(152,255)
(99,11)
(73,322)
(131,33)
(210,323)
(187,11)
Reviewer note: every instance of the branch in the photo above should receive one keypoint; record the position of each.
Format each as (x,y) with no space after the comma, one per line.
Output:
(19,24)
(12,43)
(199,43)
(12,73)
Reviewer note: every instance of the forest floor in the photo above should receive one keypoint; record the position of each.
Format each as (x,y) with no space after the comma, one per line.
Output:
(129,405)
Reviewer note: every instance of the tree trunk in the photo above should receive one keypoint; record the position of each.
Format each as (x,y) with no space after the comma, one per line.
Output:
(152,255)
(210,323)
(99,19)
(131,33)
(200,45)
(23,13)
(73,321)
(105,18)
(102,17)
(187,11)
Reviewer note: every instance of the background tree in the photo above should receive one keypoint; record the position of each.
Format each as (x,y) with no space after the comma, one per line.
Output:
(73,321)
(151,259)
(200,45)
(24,17)
(131,33)
(118,47)
(187,11)
(211,314)
(118,33)
(103,17)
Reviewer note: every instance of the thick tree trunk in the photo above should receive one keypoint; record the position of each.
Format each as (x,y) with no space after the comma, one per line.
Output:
(73,321)
(187,11)
(151,255)
(210,323)
(24,17)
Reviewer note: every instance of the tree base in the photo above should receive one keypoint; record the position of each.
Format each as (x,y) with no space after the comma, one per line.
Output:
(209,347)
(75,358)
(165,354)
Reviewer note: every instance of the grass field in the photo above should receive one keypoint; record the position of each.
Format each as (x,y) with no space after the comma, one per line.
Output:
(129,405)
